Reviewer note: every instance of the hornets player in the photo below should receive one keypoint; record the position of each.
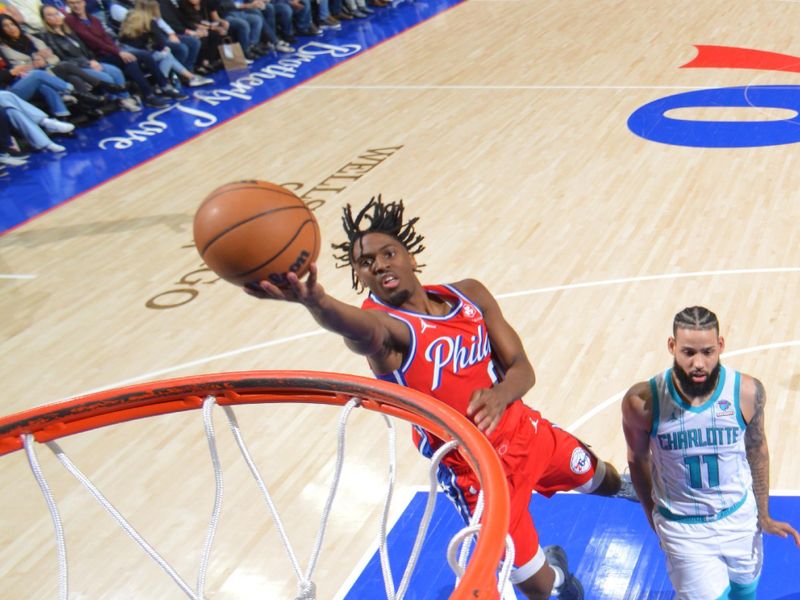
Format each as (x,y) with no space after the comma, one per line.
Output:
(699,461)
(453,343)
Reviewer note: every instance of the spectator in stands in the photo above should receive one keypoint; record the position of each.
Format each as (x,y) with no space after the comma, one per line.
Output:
(325,19)
(267,11)
(139,30)
(195,15)
(353,10)
(9,154)
(69,48)
(235,11)
(35,83)
(95,8)
(29,53)
(32,123)
(25,12)
(184,43)
(185,48)
(302,17)
(277,16)
(91,31)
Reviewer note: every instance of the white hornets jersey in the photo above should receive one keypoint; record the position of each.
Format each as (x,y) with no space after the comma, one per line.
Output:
(699,463)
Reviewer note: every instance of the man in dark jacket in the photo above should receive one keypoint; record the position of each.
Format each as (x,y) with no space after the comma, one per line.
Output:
(91,31)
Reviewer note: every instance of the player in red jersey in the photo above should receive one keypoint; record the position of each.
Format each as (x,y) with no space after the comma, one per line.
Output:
(453,343)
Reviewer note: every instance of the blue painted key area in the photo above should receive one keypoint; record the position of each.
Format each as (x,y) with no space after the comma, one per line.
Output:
(609,544)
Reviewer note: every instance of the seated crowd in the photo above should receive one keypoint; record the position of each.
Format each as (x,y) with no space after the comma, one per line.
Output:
(65,63)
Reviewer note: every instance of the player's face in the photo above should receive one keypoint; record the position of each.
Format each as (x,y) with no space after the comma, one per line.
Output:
(697,364)
(385,267)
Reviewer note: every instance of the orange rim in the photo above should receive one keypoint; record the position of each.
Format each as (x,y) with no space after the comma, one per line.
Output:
(84,413)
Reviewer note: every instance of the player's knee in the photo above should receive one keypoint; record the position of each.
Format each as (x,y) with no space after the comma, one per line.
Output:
(611,482)
(606,481)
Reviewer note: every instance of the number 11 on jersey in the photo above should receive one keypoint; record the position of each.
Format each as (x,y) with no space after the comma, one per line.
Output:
(694,468)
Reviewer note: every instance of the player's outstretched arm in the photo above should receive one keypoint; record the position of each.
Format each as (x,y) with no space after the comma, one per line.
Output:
(364,332)
(637,407)
(753,399)
(486,406)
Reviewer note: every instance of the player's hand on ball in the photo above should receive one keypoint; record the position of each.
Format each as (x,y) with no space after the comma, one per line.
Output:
(307,292)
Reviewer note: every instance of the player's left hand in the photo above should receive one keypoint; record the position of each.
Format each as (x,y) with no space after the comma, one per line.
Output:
(486,408)
(779,528)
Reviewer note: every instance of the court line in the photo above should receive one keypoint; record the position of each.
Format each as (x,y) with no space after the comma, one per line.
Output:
(502,87)
(403,499)
(153,374)
(572,286)
(618,396)
(9,276)
(194,363)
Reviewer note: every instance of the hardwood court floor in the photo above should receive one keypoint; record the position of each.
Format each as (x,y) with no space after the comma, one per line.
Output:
(502,125)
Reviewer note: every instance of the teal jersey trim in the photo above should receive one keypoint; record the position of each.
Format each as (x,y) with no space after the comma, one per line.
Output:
(656,407)
(736,402)
(696,520)
(705,405)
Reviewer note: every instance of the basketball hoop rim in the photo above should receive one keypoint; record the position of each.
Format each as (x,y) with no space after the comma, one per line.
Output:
(54,421)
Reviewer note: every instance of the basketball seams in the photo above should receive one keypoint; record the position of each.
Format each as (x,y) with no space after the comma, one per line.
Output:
(317,236)
(227,190)
(241,222)
(231,228)
(281,251)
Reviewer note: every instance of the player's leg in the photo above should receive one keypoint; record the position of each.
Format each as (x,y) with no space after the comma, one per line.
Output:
(695,566)
(743,549)
(573,466)
(539,572)
(697,578)
(605,481)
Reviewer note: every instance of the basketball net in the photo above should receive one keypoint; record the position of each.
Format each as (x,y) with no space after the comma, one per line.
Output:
(306,589)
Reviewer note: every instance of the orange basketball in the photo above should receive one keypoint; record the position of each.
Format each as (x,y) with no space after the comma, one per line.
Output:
(253,230)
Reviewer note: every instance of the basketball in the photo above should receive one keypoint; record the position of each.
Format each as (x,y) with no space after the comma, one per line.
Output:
(253,230)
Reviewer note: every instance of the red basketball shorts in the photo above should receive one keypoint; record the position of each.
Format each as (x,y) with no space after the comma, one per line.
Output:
(536,455)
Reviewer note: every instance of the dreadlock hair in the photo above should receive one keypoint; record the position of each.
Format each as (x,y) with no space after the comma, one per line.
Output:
(695,317)
(376,217)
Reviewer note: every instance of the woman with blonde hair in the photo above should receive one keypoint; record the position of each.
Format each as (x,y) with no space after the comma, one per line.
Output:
(139,31)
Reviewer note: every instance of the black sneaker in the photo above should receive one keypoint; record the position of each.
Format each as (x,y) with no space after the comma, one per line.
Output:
(571,589)
(155,101)
(90,99)
(173,92)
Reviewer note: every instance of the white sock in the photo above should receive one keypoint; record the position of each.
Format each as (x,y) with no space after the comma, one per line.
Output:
(559,580)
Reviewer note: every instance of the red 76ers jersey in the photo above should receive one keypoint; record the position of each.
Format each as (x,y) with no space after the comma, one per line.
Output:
(449,357)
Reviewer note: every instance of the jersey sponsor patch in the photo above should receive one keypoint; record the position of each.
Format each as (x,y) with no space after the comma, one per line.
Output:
(580,462)
(724,408)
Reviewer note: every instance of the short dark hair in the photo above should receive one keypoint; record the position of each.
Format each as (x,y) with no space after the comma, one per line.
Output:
(695,317)
(376,217)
